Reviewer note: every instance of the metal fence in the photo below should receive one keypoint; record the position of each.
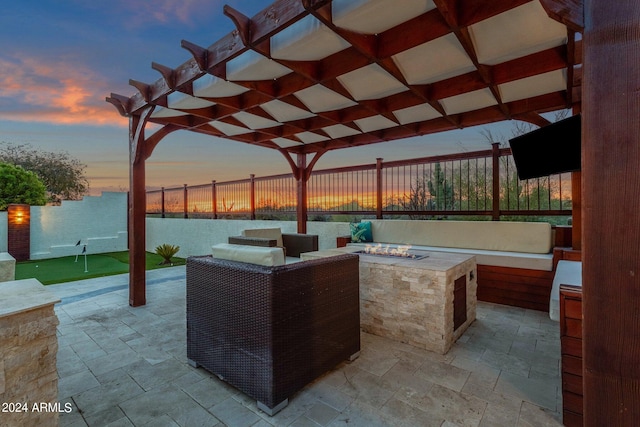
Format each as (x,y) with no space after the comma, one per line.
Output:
(460,185)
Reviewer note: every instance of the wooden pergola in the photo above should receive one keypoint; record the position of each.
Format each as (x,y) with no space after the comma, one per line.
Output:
(307,76)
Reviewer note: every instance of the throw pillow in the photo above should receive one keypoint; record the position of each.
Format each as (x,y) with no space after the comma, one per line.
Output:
(361,232)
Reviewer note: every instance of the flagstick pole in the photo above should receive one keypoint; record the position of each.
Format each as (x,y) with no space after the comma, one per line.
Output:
(85,260)
(77,244)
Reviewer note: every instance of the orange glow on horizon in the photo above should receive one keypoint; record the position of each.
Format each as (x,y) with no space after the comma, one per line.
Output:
(77,97)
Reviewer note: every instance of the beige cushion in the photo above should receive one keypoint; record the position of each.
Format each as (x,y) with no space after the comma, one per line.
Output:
(507,236)
(266,233)
(305,256)
(543,262)
(250,254)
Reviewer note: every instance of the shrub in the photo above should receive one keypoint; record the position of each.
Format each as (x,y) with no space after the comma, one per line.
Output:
(167,251)
(20,186)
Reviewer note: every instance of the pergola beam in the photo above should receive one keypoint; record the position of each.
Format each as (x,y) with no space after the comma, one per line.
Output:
(568,12)
(471,12)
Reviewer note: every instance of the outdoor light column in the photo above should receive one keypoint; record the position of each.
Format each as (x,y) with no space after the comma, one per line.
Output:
(19,231)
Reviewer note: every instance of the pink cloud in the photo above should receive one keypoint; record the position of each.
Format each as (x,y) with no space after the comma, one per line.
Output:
(54,92)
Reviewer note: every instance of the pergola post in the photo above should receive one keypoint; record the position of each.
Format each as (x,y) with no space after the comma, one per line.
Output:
(302,178)
(139,150)
(610,206)
(302,172)
(137,209)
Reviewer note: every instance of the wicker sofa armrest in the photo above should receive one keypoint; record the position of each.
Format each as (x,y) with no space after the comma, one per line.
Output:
(253,241)
(299,243)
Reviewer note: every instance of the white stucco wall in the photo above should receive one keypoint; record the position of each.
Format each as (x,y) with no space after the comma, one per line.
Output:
(195,236)
(100,222)
(327,232)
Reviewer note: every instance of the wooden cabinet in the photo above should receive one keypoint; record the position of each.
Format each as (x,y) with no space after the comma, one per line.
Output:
(571,348)
(342,241)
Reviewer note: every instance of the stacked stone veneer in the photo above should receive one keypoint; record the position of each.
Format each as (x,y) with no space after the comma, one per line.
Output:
(28,348)
(7,267)
(412,300)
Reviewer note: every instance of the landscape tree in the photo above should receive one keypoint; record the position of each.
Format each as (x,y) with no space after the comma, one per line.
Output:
(515,194)
(63,175)
(20,186)
(510,186)
(441,189)
(473,184)
(418,199)
(430,192)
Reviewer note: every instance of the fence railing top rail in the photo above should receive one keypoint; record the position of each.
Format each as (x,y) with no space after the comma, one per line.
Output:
(357,168)
(446,158)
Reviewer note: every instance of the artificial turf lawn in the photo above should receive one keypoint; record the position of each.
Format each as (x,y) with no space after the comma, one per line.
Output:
(66,269)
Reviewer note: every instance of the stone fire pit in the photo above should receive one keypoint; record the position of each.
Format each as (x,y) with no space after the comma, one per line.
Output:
(427,302)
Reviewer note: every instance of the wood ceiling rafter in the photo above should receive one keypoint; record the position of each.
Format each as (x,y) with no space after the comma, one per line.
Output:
(451,13)
(306,74)
(449,16)
(419,30)
(469,12)
(369,50)
(571,14)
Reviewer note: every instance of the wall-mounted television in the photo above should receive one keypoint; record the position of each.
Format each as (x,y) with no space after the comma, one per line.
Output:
(552,149)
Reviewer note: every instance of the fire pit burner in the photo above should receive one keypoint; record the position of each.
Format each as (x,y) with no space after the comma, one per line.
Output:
(388,251)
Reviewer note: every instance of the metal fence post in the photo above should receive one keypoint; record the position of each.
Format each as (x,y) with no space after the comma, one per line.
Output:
(162,211)
(495,214)
(214,200)
(252,195)
(185,198)
(379,188)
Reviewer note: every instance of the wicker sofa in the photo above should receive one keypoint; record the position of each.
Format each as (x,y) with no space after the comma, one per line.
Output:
(270,330)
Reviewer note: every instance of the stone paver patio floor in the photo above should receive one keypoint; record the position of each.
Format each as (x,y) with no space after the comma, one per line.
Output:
(124,366)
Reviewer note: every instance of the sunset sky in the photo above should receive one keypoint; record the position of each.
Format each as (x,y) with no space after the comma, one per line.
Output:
(61,58)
